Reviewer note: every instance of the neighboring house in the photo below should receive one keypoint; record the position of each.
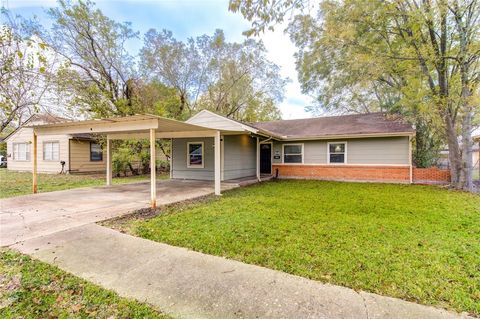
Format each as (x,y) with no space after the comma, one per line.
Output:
(367,147)
(80,152)
(444,162)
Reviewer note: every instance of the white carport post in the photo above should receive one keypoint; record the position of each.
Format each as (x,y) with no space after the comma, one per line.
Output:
(153,177)
(109,161)
(217,150)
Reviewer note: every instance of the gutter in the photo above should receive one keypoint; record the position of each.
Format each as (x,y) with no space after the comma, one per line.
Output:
(330,137)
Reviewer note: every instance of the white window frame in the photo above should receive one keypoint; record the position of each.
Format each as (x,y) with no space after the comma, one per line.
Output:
(188,155)
(27,152)
(293,144)
(43,151)
(345,153)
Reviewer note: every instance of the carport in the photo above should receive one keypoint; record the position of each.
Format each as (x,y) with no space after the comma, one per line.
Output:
(149,127)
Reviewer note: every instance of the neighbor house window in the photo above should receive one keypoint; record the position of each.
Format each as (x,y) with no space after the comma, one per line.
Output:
(51,151)
(293,153)
(96,153)
(337,153)
(195,155)
(21,151)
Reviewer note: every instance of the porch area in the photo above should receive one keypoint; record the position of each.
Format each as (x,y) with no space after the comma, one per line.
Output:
(152,128)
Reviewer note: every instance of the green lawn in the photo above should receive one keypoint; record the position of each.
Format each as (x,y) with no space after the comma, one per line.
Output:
(20,183)
(419,243)
(32,289)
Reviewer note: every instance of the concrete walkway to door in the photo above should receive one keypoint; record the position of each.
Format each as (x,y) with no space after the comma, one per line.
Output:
(192,285)
(31,216)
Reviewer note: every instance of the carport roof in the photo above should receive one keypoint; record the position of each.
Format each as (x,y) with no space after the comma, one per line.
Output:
(127,124)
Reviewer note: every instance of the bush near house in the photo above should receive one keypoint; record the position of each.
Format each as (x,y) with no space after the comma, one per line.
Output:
(419,243)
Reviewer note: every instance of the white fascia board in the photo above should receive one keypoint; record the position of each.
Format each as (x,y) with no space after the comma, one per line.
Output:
(334,137)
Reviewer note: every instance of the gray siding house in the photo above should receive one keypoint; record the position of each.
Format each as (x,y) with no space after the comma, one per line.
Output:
(208,146)
(368,147)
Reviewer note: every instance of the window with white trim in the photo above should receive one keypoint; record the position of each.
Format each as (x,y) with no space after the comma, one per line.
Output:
(51,151)
(21,151)
(337,152)
(195,154)
(293,153)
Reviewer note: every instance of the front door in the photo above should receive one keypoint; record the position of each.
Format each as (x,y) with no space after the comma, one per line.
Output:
(266,158)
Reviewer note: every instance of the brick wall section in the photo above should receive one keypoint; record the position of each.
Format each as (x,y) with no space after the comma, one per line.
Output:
(431,175)
(396,174)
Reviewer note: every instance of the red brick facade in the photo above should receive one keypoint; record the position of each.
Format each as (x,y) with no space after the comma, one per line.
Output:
(431,175)
(398,174)
(377,173)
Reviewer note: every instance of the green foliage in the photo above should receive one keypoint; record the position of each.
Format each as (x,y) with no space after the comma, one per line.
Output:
(121,159)
(419,243)
(33,289)
(233,79)
(24,69)
(3,148)
(99,66)
(418,59)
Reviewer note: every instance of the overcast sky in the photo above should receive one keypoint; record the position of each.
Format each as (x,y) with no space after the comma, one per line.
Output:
(190,18)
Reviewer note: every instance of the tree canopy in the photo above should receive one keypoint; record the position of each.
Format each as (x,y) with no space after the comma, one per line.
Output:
(419,59)
(233,79)
(24,70)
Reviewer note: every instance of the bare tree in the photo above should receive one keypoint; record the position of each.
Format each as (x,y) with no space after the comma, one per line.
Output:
(25,71)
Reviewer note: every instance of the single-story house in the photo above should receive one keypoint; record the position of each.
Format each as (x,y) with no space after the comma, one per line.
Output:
(208,146)
(80,152)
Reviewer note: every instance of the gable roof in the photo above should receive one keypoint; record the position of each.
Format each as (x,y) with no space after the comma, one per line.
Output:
(38,118)
(212,120)
(45,118)
(371,124)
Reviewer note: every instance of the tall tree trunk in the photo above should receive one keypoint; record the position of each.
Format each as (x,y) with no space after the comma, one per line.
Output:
(454,154)
(467,148)
(467,112)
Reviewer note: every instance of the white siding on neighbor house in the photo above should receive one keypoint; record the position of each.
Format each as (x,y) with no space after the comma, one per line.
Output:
(212,120)
(25,135)
(239,158)
(80,158)
(369,151)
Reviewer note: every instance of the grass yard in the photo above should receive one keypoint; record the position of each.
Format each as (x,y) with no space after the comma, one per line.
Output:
(419,243)
(33,289)
(20,183)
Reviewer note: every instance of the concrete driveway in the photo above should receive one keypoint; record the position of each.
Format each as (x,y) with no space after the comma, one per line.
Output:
(31,216)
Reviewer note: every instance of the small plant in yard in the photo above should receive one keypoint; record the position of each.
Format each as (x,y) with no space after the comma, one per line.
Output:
(32,289)
(419,243)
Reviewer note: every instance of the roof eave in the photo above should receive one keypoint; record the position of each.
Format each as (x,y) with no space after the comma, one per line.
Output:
(339,136)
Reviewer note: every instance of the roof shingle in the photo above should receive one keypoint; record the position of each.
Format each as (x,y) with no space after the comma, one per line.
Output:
(343,125)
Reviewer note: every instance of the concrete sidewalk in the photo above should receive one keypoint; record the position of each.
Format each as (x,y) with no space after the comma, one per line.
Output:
(188,284)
